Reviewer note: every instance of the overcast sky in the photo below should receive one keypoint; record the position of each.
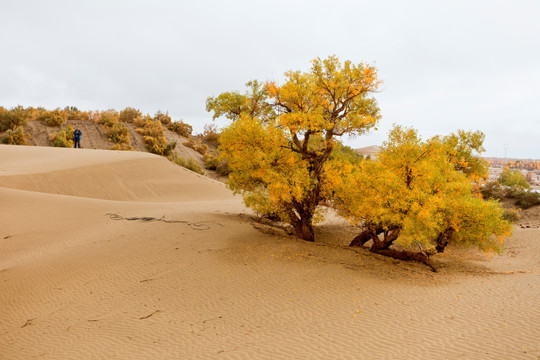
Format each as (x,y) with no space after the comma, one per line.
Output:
(446,65)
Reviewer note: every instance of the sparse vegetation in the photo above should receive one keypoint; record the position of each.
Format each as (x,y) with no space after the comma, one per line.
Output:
(64,138)
(527,198)
(163,118)
(11,119)
(511,215)
(180,128)
(493,190)
(197,145)
(117,132)
(154,139)
(53,118)
(211,134)
(189,163)
(523,198)
(72,113)
(213,161)
(15,136)
(107,117)
(513,178)
(122,146)
(129,115)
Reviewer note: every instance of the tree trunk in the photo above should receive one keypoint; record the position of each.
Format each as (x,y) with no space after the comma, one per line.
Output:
(304,230)
(361,239)
(370,233)
(301,215)
(388,239)
(443,239)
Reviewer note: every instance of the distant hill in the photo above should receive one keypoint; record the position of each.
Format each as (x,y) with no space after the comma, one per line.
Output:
(370,151)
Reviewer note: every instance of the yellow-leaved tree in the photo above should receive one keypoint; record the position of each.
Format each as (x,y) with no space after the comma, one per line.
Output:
(280,144)
(419,198)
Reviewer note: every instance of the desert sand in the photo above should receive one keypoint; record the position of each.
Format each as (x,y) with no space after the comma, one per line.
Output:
(204,280)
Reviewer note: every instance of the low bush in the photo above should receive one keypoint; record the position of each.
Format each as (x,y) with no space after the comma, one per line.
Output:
(64,138)
(212,161)
(122,146)
(190,163)
(52,117)
(163,118)
(108,118)
(223,168)
(154,139)
(117,132)
(527,199)
(72,113)
(511,215)
(180,128)
(493,190)
(11,119)
(211,134)
(197,146)
(15,136)
(523,198)
(513,178)
(129,115)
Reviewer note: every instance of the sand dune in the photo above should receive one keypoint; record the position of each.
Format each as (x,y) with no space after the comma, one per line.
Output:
(76,283)
(104,174)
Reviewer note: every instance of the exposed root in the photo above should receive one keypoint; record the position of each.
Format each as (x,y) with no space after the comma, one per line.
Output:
(406,255)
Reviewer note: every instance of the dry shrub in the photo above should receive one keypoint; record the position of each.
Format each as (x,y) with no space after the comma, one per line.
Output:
(212,161)
(15,136)
(512,215)
(527,199)
(181,128)
(190,163)
(123,147)
(197,146)
(72,113)
(522,197)
(141,122)
(52,118)
(64,138)
(154,139)
(513,178)
(129,115)
(211,134)
(163,118)
(108,118)
(11,119)
(117,132)
(493,190)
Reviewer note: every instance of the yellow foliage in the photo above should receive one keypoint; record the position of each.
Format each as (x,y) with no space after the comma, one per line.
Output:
(415,188)
(280,147)
(15,136)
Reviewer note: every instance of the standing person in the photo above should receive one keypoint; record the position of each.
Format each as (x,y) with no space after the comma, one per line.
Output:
(77,138)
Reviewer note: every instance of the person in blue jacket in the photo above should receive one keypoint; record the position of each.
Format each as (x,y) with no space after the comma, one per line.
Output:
(77,138)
